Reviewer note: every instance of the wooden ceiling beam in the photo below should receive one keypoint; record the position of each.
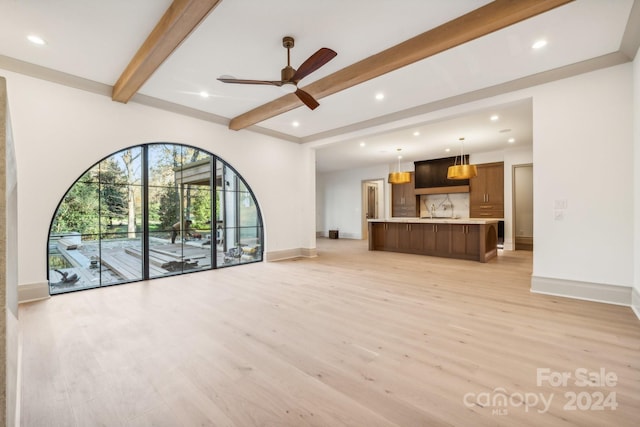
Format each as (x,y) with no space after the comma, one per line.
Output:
(477,23)
(180,19)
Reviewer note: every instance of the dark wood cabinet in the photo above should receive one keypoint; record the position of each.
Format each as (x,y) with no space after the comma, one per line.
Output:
(377,235)
(436,238)
(486,191)
(416,237)
(403,200)
(404,237)
(452,240)
(391,236)
(384,236)
(410,238)
(465,240)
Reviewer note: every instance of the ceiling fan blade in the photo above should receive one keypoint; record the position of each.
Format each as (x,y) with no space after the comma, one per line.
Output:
(308,100)
(315,61)
(251,82)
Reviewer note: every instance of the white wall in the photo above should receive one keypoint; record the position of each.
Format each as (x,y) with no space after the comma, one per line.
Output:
(636,164)
(582,157)
(320,206)
(340,199)
(9,328)
(59,132)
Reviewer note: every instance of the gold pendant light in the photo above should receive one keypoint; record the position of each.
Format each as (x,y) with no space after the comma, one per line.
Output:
(462,170)
(399,177)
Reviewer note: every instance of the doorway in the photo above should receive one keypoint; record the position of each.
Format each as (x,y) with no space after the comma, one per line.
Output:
(371,206)
(523,207)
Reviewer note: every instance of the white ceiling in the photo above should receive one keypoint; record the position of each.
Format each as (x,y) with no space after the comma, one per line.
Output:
(95,40)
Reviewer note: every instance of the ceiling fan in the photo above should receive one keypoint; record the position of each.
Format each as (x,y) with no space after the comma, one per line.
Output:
(290,76)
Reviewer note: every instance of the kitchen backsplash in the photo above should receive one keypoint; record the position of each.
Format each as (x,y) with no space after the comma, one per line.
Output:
(445,205)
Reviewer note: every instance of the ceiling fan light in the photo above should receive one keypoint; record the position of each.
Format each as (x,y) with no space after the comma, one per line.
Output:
(289,87)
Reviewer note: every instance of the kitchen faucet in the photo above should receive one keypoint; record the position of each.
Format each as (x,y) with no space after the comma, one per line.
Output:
(432,209)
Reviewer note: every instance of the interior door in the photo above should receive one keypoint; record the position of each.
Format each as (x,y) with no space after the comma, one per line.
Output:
(370,203)
(523,207)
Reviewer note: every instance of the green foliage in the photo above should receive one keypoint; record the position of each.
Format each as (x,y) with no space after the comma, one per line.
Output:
(169,209)
(57,261)
(113,191)
(79,210)
(200,206)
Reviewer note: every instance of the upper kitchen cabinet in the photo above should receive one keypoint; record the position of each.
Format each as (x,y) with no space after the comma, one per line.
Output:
(486,191)
(403,199)
(431,177)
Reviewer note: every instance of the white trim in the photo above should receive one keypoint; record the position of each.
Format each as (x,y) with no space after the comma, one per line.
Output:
(291,253)
(635,301)
(598,292)
(19,380)
(33,292)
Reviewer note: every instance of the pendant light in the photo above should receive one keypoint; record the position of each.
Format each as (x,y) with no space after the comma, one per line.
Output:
(462,170)
(399,177)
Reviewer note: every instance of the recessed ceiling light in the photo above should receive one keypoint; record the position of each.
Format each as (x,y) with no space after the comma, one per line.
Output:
(416,133)
(511,140)
(295,124)
(494,117)
(362,144)
(36,40)
(204,94)
(539,44)
(379,96)
(447,150)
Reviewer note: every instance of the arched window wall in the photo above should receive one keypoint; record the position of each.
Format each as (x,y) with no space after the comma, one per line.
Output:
(152,211)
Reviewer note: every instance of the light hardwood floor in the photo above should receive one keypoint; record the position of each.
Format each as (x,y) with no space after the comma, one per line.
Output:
(350,338)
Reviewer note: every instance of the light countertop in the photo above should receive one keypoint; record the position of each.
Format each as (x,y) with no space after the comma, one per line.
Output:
(429,220)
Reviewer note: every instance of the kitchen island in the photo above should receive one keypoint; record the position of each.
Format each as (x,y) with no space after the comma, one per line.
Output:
(467,238)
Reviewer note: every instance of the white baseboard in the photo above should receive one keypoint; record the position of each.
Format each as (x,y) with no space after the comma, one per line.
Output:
(598,292)
(635,301)
(33,292)
(291,253)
